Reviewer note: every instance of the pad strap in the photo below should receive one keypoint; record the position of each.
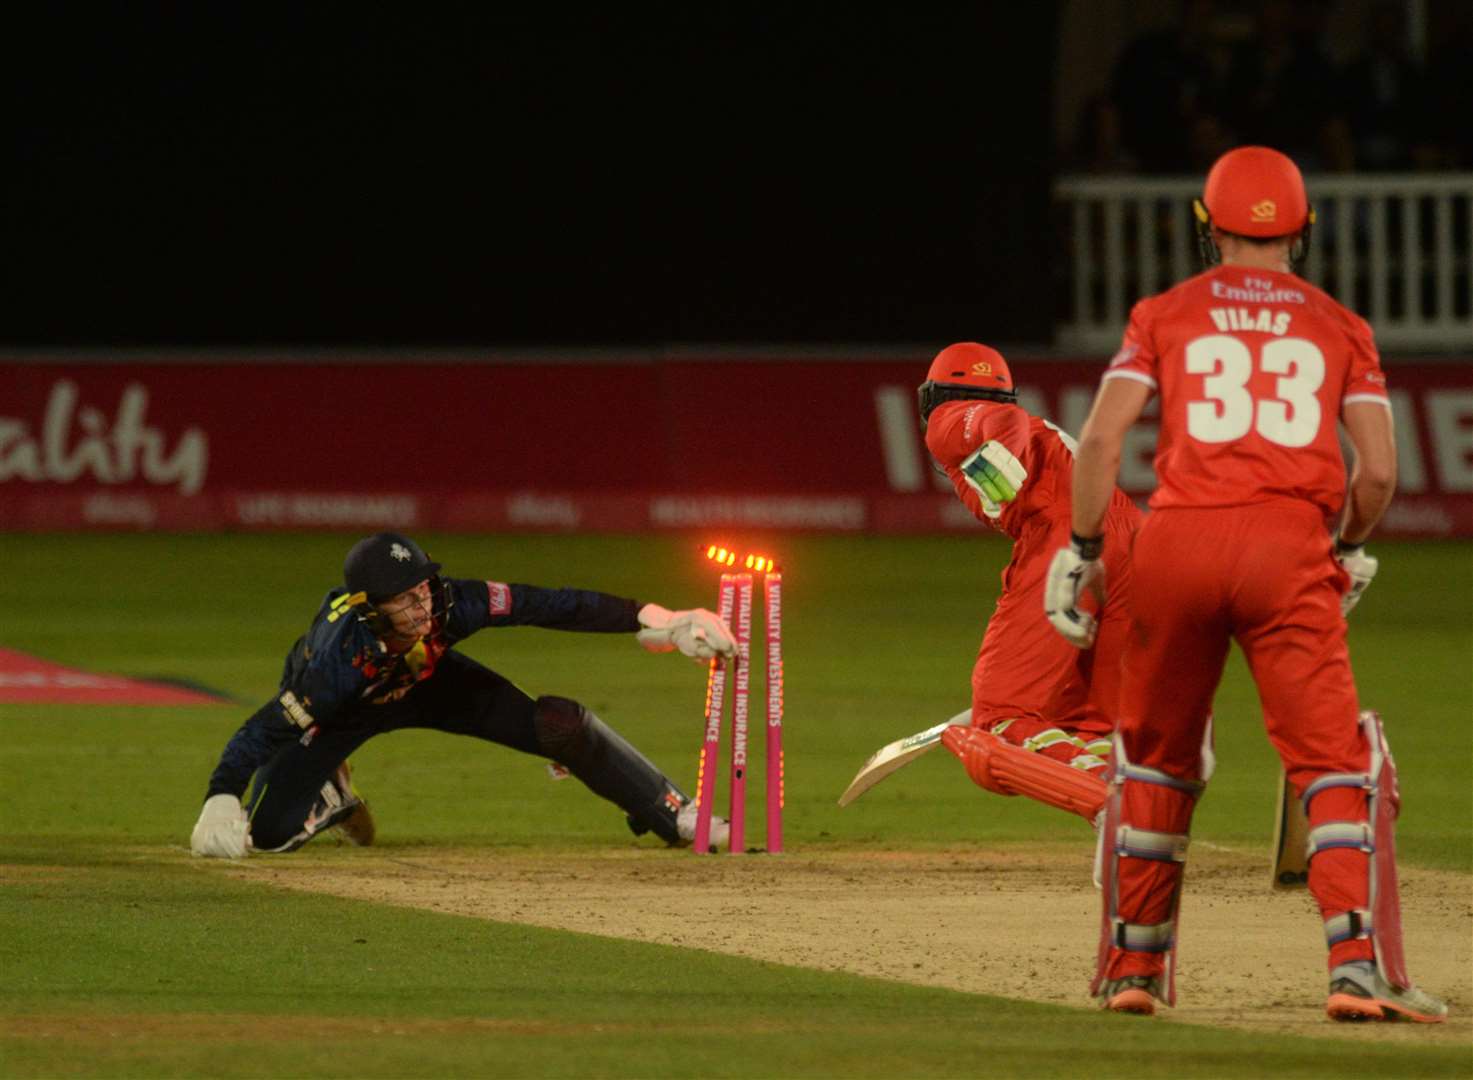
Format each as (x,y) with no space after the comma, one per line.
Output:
(1348,926)
(1356,835)
(1334,780)
(1156,846)
(1126,771)
(1049,737)
(1135,937)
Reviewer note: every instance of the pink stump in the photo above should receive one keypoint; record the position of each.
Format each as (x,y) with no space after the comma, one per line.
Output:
(715,707)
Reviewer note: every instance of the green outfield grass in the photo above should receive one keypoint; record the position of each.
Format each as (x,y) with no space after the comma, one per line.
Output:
(106,918)
(136,967)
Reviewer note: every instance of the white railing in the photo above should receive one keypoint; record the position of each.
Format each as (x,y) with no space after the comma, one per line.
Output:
(1397,248)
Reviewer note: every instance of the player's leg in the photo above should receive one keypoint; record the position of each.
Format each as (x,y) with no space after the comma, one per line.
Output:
(1014,746)
(1097,724)
(466,698)
(1005,769)
(1336,759)
(1029,686)
(304,790)
(1171,664)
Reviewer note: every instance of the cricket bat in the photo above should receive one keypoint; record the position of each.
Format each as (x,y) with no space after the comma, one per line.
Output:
(896,755)
(1291,840)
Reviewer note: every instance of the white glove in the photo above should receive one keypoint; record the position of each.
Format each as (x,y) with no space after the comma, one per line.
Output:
(696,633)
(1361,568)
(1070,576)
(222,831)
(995,475)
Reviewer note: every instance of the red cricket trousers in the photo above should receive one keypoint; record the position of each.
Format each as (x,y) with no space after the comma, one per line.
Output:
(1026,670)
(1262,575)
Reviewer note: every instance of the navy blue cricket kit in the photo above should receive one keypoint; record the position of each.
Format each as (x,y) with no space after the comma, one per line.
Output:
(341,686)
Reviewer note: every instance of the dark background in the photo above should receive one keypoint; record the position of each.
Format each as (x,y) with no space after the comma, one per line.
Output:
(252,175)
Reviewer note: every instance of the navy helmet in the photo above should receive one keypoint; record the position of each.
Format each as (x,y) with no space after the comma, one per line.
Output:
(386,564)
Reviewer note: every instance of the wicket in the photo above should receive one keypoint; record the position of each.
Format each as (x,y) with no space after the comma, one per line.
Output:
(735,599)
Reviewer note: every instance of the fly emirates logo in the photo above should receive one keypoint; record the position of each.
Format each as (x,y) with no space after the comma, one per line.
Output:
(1252,290)
(75,441)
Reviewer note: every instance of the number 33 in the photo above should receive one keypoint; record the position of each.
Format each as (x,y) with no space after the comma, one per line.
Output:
(1290,418)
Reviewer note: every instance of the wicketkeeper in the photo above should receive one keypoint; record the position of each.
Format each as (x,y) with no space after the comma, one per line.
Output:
(379,657)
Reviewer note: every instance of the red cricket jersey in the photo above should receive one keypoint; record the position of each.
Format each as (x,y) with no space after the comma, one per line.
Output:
(957,428)
(1253,368)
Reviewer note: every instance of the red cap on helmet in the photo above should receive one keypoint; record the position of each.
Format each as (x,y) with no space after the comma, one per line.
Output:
(969,364)
(1256,191)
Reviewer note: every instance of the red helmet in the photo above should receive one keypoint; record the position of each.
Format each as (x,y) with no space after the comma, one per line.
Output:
(1255,191)
(965,371)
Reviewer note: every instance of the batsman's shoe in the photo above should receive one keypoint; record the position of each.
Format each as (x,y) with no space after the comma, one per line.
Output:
(1131,994)
(357,827)
(685,822)
(1357,992)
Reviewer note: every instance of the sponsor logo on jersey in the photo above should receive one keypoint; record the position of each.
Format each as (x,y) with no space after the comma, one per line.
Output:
(969,421)
(294,710)
(500,597)
(1247,292)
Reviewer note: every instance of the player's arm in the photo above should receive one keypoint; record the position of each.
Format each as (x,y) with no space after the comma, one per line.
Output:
(696,633)
(1097,460)
(1076,569)
(988,445)
(1373,475)
(318,678)
(1372,483)
(254,744)
(222,830)
(476,605)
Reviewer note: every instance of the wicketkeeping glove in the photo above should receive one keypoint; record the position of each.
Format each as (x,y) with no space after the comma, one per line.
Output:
(696,633)
(1075,571)
(1361,568)
(222,831)
(995,474)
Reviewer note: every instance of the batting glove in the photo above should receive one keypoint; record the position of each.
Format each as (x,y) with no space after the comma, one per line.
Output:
(995,474)
(697,633)
(222,831)
(1075,571)
(1359,566)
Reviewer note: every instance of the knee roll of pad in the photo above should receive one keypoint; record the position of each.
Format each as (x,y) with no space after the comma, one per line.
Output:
(560,724)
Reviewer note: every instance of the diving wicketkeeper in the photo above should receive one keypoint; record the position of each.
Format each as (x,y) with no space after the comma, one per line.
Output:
(379,657)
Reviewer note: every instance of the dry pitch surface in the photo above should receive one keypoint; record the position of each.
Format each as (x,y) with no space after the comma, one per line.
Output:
(1014,924)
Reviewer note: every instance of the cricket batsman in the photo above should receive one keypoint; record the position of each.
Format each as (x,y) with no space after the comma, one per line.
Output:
(1041,710)
(380,657)
(1252,538)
